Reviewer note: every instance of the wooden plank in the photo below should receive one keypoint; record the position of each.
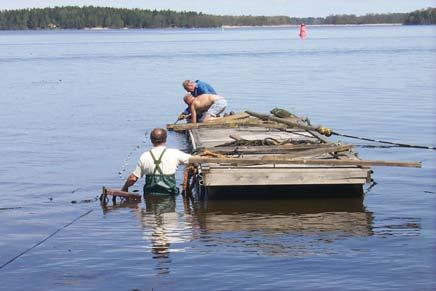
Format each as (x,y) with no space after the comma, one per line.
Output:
(286,151)
(228,124)
(273,149)
(281,120)
(314,152)
(266,160)
(278,176)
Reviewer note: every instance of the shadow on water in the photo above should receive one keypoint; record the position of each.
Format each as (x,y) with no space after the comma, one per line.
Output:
(272,227)
(286,216)
(281,192)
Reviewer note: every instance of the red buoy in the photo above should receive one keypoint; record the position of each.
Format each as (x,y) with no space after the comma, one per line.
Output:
(303,30)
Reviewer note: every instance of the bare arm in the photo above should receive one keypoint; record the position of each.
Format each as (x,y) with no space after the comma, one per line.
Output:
(129,182)
(193,113)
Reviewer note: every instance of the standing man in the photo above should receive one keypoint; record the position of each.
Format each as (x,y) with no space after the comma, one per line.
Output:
(196,89)
(159,166)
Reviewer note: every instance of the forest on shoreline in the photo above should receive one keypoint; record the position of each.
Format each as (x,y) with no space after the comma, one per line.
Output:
(74,17)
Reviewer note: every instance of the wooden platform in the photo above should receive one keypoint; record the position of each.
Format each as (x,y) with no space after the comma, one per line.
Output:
(248,139)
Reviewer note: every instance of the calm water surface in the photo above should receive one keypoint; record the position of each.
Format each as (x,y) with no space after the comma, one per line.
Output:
(74,108)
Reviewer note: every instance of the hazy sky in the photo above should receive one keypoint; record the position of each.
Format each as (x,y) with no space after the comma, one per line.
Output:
(298,8)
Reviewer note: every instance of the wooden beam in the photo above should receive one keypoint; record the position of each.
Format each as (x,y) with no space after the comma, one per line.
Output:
(281,120)
(270,149)
(227,124)
(289,152)
(314,152)
(284,176)
(275,160)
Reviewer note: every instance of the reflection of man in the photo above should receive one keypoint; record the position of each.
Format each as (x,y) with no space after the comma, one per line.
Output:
(208,106)
(159,166)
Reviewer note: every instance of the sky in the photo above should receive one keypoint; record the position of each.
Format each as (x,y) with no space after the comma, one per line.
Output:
(297,8)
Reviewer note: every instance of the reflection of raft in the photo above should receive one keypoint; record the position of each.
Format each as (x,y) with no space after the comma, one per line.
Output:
(249,151)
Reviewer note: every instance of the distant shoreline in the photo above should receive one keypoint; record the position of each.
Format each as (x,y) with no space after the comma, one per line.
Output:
(310,25)
(90,17)
(239,26)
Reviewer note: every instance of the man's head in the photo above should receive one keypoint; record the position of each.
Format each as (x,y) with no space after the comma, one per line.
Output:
(158,136)
(188,99)
(189,85)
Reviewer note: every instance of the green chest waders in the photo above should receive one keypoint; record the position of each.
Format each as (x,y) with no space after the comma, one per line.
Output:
(158,183)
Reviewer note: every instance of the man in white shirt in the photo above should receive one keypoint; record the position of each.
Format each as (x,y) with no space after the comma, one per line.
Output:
(159,166)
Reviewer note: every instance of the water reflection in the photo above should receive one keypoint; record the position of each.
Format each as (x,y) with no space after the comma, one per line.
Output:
(291,227)
(160,223)
(126,204)
(346,215)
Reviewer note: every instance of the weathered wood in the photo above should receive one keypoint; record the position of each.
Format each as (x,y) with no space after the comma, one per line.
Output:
(226,124)
(314,152)
(274,160)
(285,176)
(281,120)
(118,193)
(240,115)
(271,149)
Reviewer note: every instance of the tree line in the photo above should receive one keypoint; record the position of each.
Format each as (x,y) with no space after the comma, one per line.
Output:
(74,17)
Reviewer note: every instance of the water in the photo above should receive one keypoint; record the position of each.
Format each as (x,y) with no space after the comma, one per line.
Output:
(74,108)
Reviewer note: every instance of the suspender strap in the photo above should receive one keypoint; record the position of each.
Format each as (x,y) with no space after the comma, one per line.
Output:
(157,162)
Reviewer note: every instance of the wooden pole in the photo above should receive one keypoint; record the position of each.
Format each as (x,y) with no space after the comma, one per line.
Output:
(270,149)
(226,124)
(277,160)
(313,152)
(281,120)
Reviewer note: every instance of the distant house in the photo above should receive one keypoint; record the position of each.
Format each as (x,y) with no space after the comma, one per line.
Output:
(52,26)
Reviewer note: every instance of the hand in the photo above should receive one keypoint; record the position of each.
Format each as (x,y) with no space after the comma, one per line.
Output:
(182,116)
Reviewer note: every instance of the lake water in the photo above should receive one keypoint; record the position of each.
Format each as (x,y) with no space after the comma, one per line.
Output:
(74,108)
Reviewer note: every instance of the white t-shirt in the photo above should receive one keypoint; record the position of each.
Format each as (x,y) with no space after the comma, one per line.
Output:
(169,163)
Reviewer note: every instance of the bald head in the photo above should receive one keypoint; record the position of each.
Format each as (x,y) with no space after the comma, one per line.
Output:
(158,136)
(188,98)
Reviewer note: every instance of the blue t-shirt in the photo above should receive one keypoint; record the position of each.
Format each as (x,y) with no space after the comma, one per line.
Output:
(202,88)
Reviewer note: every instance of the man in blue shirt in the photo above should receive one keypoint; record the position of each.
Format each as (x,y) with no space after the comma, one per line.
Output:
(196,88)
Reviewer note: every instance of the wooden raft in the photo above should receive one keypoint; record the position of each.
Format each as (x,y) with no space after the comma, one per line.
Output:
(246,137)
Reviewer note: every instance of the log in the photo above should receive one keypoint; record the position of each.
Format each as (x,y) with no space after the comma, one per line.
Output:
(281,120)
(275,160)
(270,149)
(226,124)
(314,152)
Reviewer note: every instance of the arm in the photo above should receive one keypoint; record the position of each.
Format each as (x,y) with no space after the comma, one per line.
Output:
(187,111)
(129,182)
(193,113)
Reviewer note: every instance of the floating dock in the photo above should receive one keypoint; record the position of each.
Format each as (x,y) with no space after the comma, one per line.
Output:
(252,153)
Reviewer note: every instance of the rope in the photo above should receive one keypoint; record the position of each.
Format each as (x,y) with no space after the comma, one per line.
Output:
(130,155)
(45,239)
(386,142)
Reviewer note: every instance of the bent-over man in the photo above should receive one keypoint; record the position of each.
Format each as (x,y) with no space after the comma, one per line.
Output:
(159,166)
(196,88)
(208,106)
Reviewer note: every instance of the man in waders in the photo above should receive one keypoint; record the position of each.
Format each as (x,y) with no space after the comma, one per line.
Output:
(159,166)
